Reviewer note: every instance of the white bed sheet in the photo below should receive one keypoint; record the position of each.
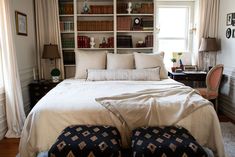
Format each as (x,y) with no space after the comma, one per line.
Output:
(73,102)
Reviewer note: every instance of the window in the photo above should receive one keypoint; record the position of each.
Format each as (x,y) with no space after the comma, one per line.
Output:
(174,35)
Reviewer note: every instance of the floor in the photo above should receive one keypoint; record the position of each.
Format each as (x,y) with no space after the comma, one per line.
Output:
(9,147)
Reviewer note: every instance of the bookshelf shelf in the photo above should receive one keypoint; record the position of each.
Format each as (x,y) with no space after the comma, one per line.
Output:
(69,65)
(95,15)
(94,32)
(94,49)
(109,22)
(135,31)
(135,14)
(136,48)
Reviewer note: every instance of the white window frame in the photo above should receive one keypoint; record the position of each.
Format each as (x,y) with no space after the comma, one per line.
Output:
(189,34)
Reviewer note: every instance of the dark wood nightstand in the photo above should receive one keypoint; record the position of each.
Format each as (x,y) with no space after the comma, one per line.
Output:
(192,79)
(37,89)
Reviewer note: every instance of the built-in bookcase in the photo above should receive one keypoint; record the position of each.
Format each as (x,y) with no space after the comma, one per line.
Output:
(109,23)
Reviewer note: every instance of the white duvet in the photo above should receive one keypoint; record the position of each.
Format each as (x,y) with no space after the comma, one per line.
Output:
(73,102)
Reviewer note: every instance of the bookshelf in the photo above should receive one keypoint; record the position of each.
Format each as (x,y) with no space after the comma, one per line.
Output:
(105,21)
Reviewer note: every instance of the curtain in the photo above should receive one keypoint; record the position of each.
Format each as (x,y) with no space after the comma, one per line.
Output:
(208,27)
(14,102)
(48,32)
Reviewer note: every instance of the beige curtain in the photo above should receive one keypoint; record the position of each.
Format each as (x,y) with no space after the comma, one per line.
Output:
(48,31)
(14,103)
(208,27)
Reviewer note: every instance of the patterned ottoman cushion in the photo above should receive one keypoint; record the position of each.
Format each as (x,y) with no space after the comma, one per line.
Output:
(172,141)
(84,141)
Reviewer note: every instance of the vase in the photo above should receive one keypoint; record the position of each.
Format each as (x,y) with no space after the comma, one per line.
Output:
(55,79)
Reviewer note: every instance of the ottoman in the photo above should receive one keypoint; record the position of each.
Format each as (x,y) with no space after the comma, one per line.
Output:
(87,141)
(169,141)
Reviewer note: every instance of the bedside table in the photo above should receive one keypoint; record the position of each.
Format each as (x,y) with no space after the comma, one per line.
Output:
(37,89)
(192,79)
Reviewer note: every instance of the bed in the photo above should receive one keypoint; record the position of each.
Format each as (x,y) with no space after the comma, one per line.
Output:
(76,101)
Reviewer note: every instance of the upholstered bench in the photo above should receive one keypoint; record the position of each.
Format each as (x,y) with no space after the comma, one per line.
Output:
(171,141)
(87,141)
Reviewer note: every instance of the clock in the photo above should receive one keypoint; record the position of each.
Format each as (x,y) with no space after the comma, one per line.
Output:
(228,33)
(137,24)
(136,21)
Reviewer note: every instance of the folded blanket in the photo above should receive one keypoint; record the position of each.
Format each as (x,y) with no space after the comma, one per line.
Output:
(154,107)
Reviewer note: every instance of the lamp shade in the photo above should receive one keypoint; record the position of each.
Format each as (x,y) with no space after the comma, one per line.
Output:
(50,52)
(208,44)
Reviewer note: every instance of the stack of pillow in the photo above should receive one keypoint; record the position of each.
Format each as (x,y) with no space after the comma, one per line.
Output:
(103,66)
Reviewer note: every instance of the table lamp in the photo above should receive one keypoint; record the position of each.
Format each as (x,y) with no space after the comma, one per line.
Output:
(208,45)
(52,52)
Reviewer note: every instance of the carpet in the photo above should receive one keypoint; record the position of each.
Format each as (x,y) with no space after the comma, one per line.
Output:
(228,132)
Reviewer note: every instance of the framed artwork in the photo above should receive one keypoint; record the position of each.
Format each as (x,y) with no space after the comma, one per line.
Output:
(233,19)
(21,23)
(233,33)
(228,33)
(229,19)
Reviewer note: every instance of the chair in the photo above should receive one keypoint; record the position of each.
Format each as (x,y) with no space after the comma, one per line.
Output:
(213,79)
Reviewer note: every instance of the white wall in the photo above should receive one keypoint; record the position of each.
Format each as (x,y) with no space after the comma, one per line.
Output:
(25,47)
(227,57)
(26,55)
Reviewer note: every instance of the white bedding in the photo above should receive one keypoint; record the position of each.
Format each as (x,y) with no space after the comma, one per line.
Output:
(73,102)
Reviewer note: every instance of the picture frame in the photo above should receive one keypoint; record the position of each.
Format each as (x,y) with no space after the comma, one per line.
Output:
(233,33)
(233,19)
(229,19)
(21,23)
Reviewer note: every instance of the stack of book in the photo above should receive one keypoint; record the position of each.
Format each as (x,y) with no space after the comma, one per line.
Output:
(83,42)
(124,41)
(95,25)
(122,8)
(101,9)
(66,8)
(149,41)
(123,23)
(66,26)
(68,42)
(146,8)
(147,23)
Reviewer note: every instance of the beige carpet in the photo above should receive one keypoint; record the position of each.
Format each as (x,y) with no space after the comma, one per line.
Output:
(228,132)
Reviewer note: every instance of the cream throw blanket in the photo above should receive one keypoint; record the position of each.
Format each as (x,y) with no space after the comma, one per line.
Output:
(154,107)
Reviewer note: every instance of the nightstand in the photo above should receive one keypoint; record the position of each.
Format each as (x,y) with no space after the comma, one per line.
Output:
(37,89)
(194,79)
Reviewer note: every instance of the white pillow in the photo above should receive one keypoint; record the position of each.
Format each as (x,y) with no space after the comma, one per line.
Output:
(89,60)
(143,61)
(124,74)
(120,61)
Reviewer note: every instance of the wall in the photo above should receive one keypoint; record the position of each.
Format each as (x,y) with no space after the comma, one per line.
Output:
(26,56)
(226,56)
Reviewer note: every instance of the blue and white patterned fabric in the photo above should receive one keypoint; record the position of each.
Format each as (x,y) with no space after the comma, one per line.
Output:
(170,141)
(85,140)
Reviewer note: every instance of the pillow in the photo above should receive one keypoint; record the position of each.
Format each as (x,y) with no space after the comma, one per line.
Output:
(124,74)
(120,61)
(143,61)
(89,60)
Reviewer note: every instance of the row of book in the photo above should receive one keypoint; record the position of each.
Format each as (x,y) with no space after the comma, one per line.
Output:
(66,26)
(83,41)
(149,41)
(95,25)
(101,9)
(66,8)
(125,23)
(68,42)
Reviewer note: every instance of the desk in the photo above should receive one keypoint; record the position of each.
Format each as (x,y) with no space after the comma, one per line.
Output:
(192,79)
